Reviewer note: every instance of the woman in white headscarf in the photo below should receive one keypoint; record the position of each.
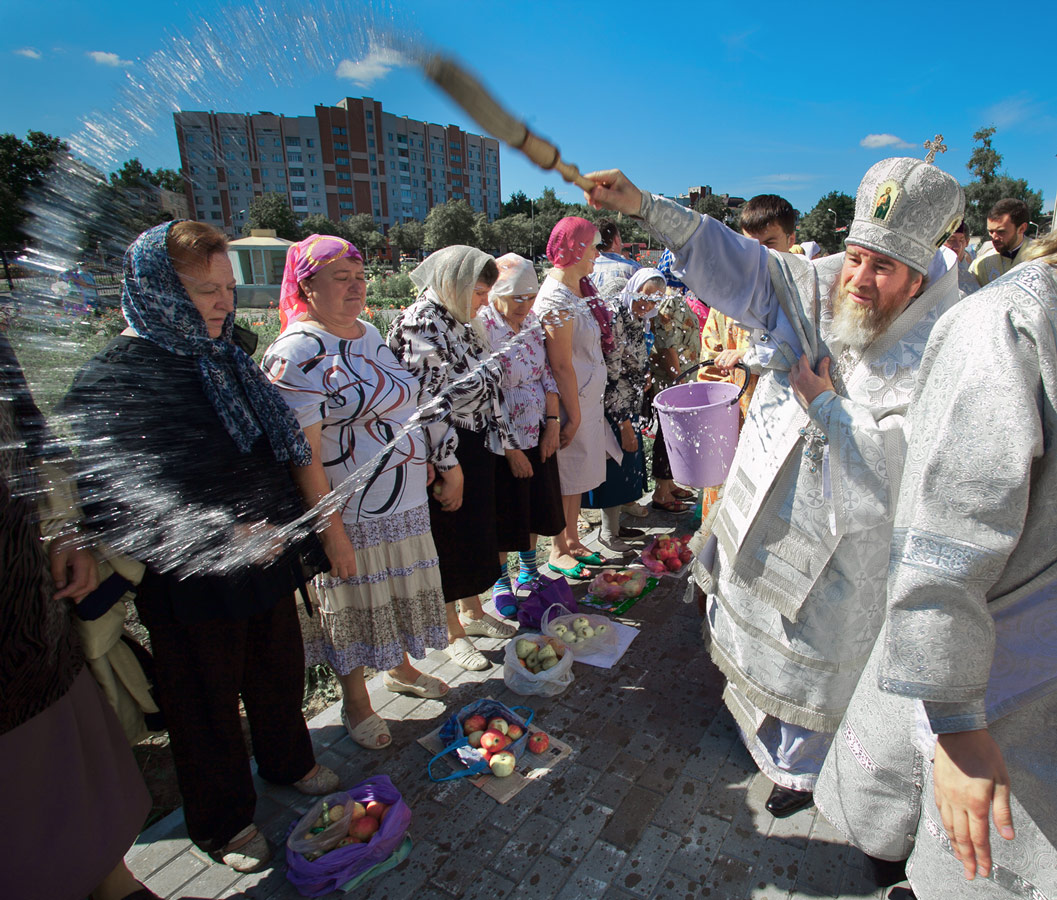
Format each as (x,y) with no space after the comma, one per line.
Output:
(438,341)
(626,367)
(529,482)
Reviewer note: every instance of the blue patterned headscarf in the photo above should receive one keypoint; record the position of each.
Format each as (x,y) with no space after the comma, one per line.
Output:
(160,310)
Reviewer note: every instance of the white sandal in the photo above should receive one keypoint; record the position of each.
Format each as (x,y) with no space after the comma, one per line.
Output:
(425,686)
(487,626)
(366,734)
(250,856)
(465,654)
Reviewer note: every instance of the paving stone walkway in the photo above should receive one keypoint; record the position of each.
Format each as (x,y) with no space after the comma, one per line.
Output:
(658,799)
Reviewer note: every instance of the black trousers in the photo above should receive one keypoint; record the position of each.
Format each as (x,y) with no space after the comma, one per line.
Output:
(201,672)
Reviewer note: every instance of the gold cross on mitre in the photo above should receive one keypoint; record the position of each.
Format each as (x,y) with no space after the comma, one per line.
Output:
(934,146)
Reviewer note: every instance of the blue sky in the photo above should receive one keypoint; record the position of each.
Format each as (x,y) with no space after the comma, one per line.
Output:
(749,98)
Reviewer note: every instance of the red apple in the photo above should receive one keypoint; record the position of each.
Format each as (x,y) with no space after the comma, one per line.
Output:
(686,556)
(498,724)
(492,740)
(538,742)
(515,731)
(474,723)
(673,564)
(362,829)
(376,810)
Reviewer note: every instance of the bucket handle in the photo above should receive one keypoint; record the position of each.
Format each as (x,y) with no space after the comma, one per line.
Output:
(708,362)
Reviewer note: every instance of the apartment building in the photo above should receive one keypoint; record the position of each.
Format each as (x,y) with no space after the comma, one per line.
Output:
(345,159)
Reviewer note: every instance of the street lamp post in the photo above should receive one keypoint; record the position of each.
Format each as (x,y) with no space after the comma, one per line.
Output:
(834,214)
(1036,224)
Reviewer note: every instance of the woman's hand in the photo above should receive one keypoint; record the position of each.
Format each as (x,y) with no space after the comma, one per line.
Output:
(73,569)
(448,489)
(339,550)
(728,359)
(629,440)
(550,440)
(614,191)
(568,432)
(519,463)
(431,473)
(259,541)
(969,776)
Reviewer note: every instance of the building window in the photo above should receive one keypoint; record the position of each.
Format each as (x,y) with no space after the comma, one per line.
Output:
(297,186)
(401,138)
(370,142)
(215,201)
(374,171)
(370,114)
(344,205)
(338,131)
(370,128)
(344,190)
(315,202)
(293,157)
(344,176)
(297,173)
(276,142)
(315,189)
(265,173)
(277,157)
(310,142)
(341,160)
(190,139)
(311,157)
(214,215)
(293,141)
(300,201)
(340,145)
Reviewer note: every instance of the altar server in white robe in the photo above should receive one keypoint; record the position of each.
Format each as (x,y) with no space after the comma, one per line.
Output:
(955,718)
(796,589)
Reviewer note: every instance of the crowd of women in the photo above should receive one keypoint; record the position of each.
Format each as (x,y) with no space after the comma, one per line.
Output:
(337,504)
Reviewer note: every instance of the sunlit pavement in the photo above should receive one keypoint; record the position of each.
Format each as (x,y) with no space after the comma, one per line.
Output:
(658,800)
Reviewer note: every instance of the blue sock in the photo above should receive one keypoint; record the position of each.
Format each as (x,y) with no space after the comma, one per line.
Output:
(503,596)
(527,570)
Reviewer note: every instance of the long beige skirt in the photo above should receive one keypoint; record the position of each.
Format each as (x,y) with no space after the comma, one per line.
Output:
(393,605)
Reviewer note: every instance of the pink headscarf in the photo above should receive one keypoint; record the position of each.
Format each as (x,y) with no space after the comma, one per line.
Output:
(566,247)
(303,260)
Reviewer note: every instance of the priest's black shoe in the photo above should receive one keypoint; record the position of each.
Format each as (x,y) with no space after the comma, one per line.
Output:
(784,802)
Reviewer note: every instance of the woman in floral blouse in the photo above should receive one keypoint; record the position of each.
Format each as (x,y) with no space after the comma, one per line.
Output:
(437,339)
(528,484)
(626,366)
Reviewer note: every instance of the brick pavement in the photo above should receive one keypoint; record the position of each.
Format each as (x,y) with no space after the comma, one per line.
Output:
(658,799)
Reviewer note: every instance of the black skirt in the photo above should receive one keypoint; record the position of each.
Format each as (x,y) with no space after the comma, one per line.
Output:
(528,506)
(466,539)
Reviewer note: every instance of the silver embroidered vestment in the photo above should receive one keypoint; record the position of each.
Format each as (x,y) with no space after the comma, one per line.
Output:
(796,593)
(970,639)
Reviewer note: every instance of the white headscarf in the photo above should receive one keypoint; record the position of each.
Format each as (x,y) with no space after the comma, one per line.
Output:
(633,289)
(517,277)
(451,274)
(811,249)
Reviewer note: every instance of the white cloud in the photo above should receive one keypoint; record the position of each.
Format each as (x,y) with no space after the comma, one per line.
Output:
(1013,110)
(376,64)
(874,141)
(29,52)
(108,59)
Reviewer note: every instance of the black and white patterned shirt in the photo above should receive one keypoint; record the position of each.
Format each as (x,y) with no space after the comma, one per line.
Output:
(459,379)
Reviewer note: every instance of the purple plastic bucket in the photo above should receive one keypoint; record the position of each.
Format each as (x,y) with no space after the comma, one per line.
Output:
(699,421)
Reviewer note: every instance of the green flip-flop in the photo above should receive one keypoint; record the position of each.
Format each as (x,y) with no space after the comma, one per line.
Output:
(576,571)
(592,559)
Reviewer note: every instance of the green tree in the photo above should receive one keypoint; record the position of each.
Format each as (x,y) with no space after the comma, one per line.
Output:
(514,234)
(821,226)
(272,211)
(518,203)
(317,223)
(408,237)
(362,231)
(133,175)
(713,205)
(450,223)
(486,237)
(990,186)
(23,166)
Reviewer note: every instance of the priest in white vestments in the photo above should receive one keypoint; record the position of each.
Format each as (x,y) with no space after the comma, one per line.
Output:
(955,719)
(796,587)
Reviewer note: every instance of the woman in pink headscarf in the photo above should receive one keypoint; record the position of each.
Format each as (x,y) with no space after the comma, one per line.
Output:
(578,326)
(382,598)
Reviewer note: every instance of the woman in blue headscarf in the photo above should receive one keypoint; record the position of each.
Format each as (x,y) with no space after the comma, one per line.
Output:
(185,451)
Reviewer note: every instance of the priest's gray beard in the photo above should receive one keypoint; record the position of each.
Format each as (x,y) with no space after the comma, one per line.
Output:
(857,326)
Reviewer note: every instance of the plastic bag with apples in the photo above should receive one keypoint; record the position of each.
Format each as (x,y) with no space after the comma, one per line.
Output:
(620,585)
(464,733)
(667,554)
(582,634)
(339,850)
(527,672)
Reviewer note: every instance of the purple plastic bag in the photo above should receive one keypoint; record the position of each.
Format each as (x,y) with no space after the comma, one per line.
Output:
(332,870)
(543,594)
